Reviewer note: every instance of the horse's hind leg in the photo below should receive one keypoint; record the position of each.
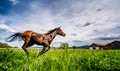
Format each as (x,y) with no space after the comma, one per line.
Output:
(24,47)
(27,45)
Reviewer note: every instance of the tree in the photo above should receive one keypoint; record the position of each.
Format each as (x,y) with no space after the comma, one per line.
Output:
(4,45)
(74,47)
(64,46)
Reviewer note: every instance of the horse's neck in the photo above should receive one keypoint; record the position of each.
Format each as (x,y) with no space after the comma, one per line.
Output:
(52,36)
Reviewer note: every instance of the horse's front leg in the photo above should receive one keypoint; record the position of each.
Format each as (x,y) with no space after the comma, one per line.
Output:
(45,49)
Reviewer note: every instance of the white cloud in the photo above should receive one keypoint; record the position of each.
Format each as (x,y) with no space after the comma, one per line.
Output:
(14,2)
(6,28)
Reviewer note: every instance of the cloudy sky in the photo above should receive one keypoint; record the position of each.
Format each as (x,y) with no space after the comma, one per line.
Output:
(84,21)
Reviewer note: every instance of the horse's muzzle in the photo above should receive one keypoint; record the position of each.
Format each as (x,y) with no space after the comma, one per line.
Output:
(64,35)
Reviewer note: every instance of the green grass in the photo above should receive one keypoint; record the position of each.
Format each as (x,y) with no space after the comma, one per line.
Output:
(60,60)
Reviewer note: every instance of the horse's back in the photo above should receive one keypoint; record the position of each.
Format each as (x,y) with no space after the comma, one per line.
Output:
(27,35)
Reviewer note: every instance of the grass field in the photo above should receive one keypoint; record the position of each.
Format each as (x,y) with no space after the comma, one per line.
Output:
(60,60)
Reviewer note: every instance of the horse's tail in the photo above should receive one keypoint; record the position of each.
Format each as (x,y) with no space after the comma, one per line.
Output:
(14,37)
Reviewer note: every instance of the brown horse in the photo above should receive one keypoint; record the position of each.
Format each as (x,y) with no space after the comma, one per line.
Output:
(31,38)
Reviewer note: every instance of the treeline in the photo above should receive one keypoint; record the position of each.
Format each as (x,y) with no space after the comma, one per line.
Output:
(62,46)
(66,46)
(5,45)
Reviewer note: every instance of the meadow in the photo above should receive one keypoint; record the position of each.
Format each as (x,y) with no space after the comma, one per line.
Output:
(60,60)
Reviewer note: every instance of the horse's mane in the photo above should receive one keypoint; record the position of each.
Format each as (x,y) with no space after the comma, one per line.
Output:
(51,31)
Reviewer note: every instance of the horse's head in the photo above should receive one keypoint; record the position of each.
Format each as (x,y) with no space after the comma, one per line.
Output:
(60,32)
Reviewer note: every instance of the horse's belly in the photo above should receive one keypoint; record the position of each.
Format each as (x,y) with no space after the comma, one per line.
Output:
(39,39)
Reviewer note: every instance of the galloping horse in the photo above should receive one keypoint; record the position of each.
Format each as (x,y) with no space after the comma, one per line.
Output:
(31,38)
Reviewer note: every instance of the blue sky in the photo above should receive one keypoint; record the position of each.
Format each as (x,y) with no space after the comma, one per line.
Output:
(84,21)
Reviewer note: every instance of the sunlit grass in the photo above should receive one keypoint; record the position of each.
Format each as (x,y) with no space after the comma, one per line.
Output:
(60,60)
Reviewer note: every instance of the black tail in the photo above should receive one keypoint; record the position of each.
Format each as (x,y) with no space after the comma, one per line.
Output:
(14,37)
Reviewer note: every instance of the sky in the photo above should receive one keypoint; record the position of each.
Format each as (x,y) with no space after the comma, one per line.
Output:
(84,21)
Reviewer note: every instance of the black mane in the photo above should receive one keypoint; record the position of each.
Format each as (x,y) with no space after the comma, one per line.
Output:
(51,31)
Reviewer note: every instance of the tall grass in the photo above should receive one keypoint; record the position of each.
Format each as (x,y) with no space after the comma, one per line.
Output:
(60,60)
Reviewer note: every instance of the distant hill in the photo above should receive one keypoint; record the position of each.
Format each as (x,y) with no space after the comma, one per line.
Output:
(5,45)
(84,47)
(80,47)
